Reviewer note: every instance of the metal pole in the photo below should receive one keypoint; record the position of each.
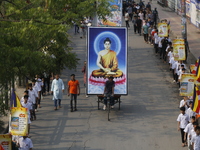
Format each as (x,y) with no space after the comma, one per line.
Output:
(184,26)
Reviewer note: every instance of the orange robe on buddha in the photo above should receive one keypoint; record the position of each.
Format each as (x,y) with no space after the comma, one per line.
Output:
(109,60)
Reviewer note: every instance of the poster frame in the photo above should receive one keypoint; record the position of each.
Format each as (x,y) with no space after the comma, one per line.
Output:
(88,55)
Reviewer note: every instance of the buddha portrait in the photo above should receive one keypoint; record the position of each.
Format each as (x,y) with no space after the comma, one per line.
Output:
(107,62)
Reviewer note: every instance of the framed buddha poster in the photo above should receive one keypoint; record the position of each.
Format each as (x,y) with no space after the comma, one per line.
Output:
(107,57)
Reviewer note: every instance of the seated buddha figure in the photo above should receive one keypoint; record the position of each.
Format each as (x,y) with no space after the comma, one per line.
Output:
(107,62)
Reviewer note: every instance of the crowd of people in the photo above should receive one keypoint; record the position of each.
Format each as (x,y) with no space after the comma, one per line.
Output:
(145,23)
(81,27)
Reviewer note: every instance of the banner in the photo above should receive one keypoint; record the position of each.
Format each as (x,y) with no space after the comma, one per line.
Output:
(106,56)
(193,69)
(187,84)
(179,52)
(115,19)
(163,30)
(178,41)
(5,142)
(18,121)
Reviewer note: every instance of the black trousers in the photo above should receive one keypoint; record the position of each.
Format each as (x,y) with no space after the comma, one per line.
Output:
(73,97)
(156,48)
(174,76)
(182,135)
(135,28)
(139,29)
(127,24)
(146,37)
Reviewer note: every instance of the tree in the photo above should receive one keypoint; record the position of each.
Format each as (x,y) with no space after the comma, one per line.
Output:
(34,38)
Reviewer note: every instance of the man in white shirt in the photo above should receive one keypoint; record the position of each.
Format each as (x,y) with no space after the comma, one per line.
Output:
(183,120)
(173,66)
(33,96)
(196,139)
(25,143)
(188,130)
(27,105)
(22,99)
(160,45)
(184,103)
(39,85)
(57,89)
(189,111)
(156,41)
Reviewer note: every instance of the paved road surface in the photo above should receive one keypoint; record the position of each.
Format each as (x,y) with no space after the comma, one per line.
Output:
(146,121)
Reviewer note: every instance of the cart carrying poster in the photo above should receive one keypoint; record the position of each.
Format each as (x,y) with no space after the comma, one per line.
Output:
(163,30)
(19,121)
(187,84)
(107,56)
(5,142)
(115,19)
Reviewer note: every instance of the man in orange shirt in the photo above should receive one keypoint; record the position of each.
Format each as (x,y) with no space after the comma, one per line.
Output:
(73,90)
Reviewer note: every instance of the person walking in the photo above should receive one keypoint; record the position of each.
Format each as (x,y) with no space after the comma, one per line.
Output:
(109,92)
(84,77)
(139,25)
(183,120)
(57,89)
(145,32)
(126,17)
(134,24)
(73,91)
(25,143)
(155,16)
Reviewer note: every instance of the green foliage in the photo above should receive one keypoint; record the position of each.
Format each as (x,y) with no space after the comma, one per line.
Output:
(34,38)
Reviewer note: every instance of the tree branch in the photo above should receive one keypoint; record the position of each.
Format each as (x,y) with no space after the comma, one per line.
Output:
(15,12)
(8,20)
(11,2)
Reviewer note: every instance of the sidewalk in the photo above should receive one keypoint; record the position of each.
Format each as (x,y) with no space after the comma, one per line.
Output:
(193,33)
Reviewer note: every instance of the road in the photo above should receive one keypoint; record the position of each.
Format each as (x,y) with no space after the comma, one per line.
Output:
(146,121)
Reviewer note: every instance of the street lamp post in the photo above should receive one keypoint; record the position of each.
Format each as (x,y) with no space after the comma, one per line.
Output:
(184,26)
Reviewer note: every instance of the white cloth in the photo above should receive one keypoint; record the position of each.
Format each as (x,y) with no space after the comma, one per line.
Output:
(190,113)
(192,135)
(29,100)
(177,67)
(188,129)
(141,15)
(33,95)
(180,72)
(170,55)
(196,141)
(183,119)
(182,102)
(126,17)
(36,88)
(16,138)
(25,144)
(29,107)
(159,41)
(167,48)
(57,86)
(156,38)
(39,84)
(174,63)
